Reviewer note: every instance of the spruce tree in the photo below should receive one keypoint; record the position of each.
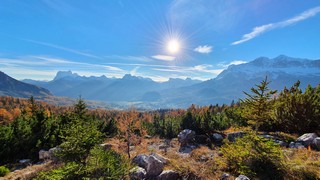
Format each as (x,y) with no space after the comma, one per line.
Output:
(257,106)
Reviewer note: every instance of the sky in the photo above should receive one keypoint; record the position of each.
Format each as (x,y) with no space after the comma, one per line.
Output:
(153,39)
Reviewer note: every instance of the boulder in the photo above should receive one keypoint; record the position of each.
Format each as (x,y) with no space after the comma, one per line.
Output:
(297,145)
(217,138)
(187,149)
(186,137)
(137,173)
(44,155)
(224,176)
(53,153)
(141,160)
(281,143)
(161,158)
(242,177)
(232,136)
(306,139)
(154,167)
(168,175)
(316,143)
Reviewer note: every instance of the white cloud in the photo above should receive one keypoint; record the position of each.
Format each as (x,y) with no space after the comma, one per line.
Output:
(164,57)
(264,28)
(129,58)
(203,49)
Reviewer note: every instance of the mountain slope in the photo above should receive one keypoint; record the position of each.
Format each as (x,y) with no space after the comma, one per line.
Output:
(229,85)
(12,87)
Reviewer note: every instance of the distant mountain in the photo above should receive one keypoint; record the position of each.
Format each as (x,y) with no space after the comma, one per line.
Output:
(116,90)
(12,87)
(229,85)
(181,93)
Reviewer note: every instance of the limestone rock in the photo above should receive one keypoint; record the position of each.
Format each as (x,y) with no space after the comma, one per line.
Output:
(154,167)
(141,160)
(186,137)
(306,139)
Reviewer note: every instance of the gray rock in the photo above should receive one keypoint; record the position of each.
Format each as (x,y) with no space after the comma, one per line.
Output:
(242,177)
(141,160)
(168,175)
(154,167)
(281,143)
(53,153)
(161,158)
(187,149)
(224,176)
(306,139)
(186,137)
(316,143)
(217,137)
(137,173)
(44,155)
(298,145)
(25,161)
(232,136)
(291,145)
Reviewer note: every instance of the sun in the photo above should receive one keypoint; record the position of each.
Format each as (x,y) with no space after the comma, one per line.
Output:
(173,46)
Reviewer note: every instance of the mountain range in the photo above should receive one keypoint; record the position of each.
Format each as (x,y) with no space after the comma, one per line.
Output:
(181,93)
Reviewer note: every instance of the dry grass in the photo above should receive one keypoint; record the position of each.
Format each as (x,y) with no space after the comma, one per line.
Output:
(202,162)
(302,163)
(29,172)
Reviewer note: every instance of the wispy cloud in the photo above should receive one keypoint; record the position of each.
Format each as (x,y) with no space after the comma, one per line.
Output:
(134,70)
(203,49)
(235,62)
(203,68)
(129,58)
(267,27)
(62,48)
(164,57)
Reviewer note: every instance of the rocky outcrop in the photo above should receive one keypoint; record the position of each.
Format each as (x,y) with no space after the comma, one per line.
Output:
(151,167)
(307,139)
(154,167)
(186,137)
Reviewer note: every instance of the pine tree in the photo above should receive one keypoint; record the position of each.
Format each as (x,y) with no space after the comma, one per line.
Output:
(258,105)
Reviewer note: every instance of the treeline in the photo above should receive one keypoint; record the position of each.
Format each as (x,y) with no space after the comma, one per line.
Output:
(34,125)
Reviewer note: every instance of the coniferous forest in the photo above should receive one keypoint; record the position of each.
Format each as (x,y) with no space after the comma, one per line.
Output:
(256,136)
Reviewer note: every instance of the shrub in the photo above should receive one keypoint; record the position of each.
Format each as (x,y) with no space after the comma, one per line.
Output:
(106,163)
(3,171)
(254,156)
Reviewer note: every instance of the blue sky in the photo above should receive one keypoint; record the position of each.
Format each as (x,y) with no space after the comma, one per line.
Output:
(117,37)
